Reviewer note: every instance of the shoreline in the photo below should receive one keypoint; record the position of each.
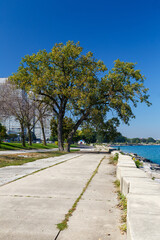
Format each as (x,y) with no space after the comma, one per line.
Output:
(135,144)
(152,169)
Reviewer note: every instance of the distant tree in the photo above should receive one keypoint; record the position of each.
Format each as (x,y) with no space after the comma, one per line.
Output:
(25,108)
(13,105)
(18,104)
(42,112)
(29,114)
(143,140)
(12,136)
(2,132)
(108,130)
(151,140)
(78,136)
(136,140)
(88,134)
(120,138)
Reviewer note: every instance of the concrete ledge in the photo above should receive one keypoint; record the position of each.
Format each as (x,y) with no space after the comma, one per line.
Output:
(143,200)
(129,172)
(126,164)
(134,174)
(143,217)
(139,186)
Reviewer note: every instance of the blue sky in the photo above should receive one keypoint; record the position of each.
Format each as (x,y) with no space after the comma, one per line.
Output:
(128,30)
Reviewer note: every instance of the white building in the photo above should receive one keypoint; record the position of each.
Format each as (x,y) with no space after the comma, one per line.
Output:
(13,126)
(2,80)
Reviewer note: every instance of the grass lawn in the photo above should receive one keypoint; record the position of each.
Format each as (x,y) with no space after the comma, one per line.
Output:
(19,159)
(18,146)
(74,145)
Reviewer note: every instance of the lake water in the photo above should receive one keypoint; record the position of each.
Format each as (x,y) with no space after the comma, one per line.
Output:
(150,152)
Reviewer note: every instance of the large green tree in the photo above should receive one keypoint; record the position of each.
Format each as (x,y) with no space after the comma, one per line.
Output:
(72,82)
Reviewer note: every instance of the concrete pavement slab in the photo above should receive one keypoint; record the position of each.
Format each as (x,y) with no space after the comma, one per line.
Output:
(31,207)
(96,216)
(11,173)
(32,218)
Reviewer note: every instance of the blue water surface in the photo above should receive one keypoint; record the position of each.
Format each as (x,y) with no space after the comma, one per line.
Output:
(150,152)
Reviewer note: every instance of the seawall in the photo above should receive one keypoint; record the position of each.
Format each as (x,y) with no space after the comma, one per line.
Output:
(143,200)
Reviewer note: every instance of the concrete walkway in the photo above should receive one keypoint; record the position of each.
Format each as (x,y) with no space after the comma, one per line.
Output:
(11,173)
(7,152)
(31,207)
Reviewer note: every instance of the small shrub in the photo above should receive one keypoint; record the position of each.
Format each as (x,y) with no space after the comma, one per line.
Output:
(116,156)
(138,163)
(114,159)
(123,228)
(122,153)
(124,216)
(62,226)
(123,201)
(117,184)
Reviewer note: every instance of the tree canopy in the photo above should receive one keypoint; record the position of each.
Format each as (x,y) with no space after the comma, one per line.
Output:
(80,85)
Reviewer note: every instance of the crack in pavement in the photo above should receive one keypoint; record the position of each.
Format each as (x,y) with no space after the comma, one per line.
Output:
(57,235)
(64,224)
(30,196)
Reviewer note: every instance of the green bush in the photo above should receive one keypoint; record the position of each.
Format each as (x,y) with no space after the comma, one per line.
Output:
(117,184)
(116,156)
(114,159)
(138,163)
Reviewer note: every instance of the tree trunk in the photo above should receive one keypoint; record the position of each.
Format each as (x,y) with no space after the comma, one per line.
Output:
(71,134)
(59,132)
(67,146)
(43,133)
(23,136)
(29,136)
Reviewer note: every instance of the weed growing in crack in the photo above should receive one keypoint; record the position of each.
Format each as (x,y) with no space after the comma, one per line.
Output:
(64,224)
(114,159)
(123,206)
